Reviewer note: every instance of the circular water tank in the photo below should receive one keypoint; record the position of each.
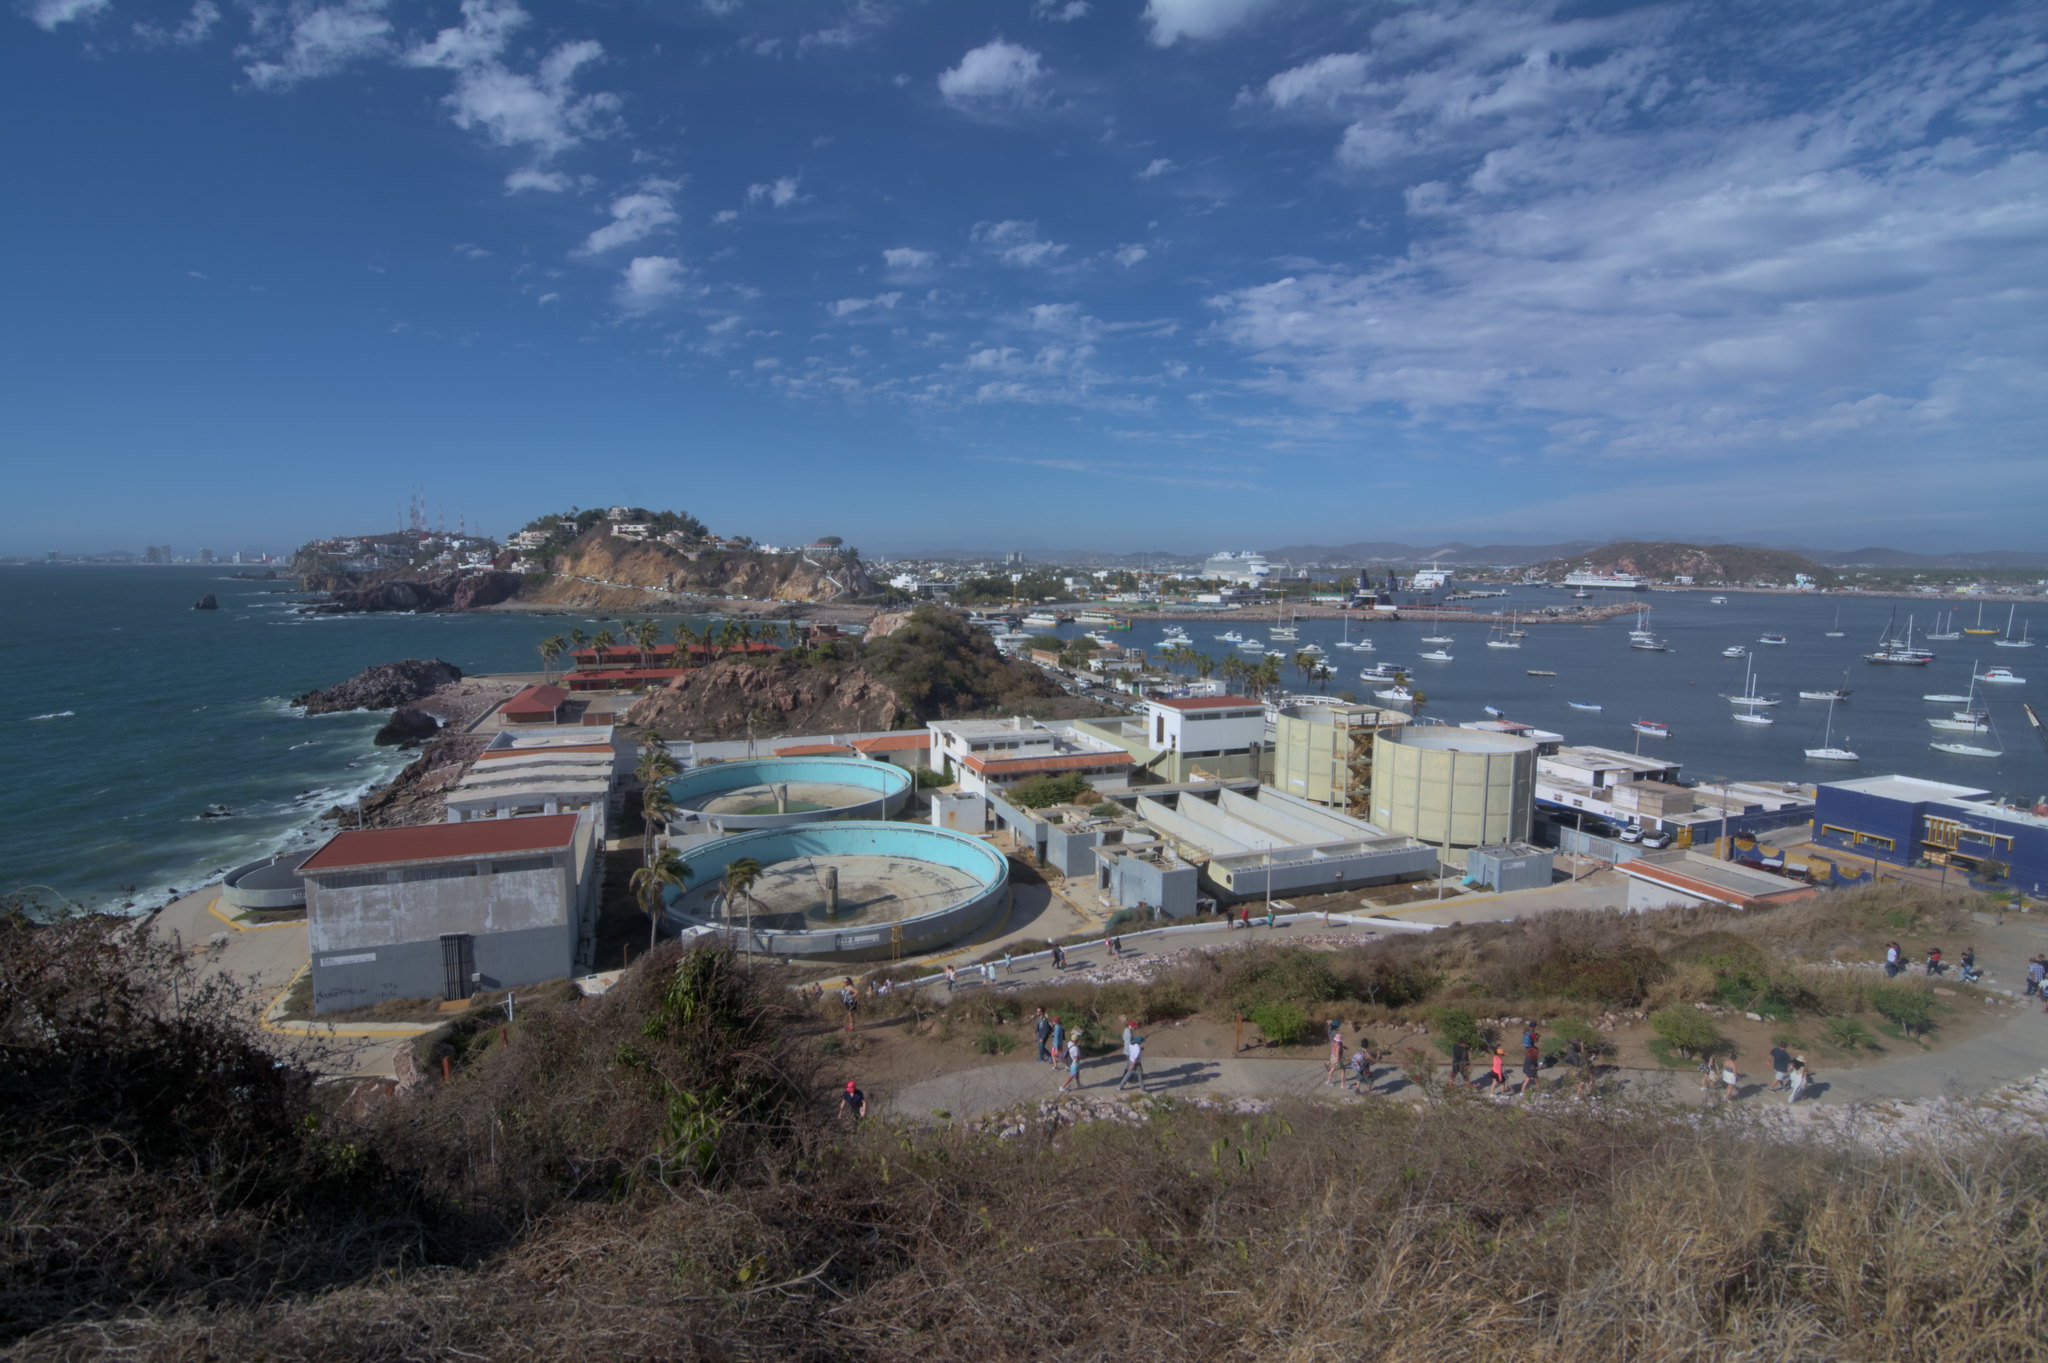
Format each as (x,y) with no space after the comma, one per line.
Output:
(778,792)
(1455,788)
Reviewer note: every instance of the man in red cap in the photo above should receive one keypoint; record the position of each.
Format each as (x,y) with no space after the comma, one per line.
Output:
(853,1100)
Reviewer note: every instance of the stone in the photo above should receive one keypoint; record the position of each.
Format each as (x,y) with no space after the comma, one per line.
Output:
(406,726)
(207,602)
(383,687)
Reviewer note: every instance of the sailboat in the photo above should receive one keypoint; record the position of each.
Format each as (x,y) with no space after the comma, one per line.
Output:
(1968,720)
(1501,639)
(1437,638)
(1944,633)
(1834,631)
(1839,693)
(1283,631)
(1980,627)
(1963,748)
(2008,641)
(1515,630)
(1829,750)
(1752,704)
(1898,652)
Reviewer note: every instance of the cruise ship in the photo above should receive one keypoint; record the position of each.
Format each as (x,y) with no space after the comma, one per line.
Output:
(1620,582)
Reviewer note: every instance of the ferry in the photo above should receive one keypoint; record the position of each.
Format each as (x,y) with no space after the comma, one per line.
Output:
(1103,620)
(1652,728)
(1621,582)
(1041,620)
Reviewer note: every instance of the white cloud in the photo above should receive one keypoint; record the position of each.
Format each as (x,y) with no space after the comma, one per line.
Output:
(1059,11)
(1172,20)
(724,216)
(1017,243)
(723,325)
(864,19)
(1158,167)
(311,41)
(908,258)
(548,298)
(776,193)
(848,307)
(198,23)
(650,281)
(1326,80)
(48,14)
(545,181)
(634,217)
(1129,254)
(998,72)
(540,109)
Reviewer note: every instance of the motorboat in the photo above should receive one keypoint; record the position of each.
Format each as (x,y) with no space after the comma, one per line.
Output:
(1398,694)
(1648,644)
(1717,601)
(1380,672)
(1310,650)
(1946,698)
(1494,710)
(1839,693)
(1437,655)
(1753,717)
(1250,646)
(1964,722)
(1829,750)
(2001,676)
(1652,728)
(1772,639)
(1363,646)
(1540,672)
(1439,639)
(1233,637)
(1735,651)
(1582,705)
(1176,637)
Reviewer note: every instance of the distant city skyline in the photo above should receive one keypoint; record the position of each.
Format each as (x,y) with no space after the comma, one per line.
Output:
(1213,272)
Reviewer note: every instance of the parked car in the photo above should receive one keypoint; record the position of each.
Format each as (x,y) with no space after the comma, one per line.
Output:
(1632,834)
(1657,840)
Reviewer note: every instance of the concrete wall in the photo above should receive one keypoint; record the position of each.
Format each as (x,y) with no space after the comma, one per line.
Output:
(891,786)
(1453,787)
(1322,870)
(414,969)
(1508,870)
(1135,881)
(1071,851)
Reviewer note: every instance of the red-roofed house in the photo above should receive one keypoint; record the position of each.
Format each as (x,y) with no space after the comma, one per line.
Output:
(445,910)
(535,705)
(911,751)
(995,754)
(817,750)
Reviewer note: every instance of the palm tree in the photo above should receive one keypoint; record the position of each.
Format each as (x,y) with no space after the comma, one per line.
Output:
(1233,670)
(644,634)
(684,638)
(656,763)
(601,641)
(1204,665)
(550,649)
(740,875)
(668,869)
(1266,675)
(577,638)
(1322,672)
(657,807)
(1304,662)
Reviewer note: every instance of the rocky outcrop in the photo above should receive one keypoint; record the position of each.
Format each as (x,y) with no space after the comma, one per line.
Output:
(419,794)
(449,592)
(406,726)
(605,573)
(206,603)
(383,687)
(716,702)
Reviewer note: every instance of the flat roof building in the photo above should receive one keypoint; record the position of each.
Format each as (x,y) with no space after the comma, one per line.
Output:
(991,755)
(1187,738)
(1903,819)
(445,910)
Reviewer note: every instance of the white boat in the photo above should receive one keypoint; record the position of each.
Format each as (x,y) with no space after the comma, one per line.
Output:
(1363,646)
(1233,637)
(1652,728)
(2008,641)
(1284,632)
(1834,631)
(1311,650)
(1041,620)
(1503,643)
(1177,637)
(1964,722)
(1437,655)
(1772,639)
(1539,672)
(1735,651)
(1752,717)
(1717,600)
(1751,697)
(1648,644)
(1398,694)
(1829,750)
(1944,633)
(1967,749)
(1582,705)
(1839,693)
(1494,710)
(2001,676)
(1250,646)
(1438,639)
(1945,698)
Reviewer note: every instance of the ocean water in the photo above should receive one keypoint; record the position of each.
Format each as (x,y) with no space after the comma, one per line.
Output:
(1885,721)
(127,713)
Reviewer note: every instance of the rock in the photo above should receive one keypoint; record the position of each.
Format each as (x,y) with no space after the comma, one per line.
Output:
(383,687)
(406,726)
(1941,993)
(206,603)
(449,592)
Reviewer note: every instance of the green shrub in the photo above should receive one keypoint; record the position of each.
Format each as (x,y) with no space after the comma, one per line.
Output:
(1166,999)
(1909,1006)
(1044,791)
(1279,975)
(994,1041)
(1564,1031)
(927,779)
(1688,1029)
(1848,1034)
(1280,1023)
(1456,1024)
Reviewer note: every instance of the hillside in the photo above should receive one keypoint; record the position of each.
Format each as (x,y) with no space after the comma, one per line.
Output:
(1705,564)
(601,571)
(929,665)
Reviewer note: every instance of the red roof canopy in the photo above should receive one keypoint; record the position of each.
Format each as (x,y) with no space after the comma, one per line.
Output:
(815,750)
(1206,702)
(535,700)
(443,841)
(1080,761)
(895,742)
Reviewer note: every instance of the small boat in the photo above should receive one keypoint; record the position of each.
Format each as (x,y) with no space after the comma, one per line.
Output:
(1750,696)
(1398,694)
(1735,651)
(1648,644)
(1540,672)
(1967,749)
(1752,717)
(1582,705)
(1717,600)
(1231,638)
(1839,693)
(1772,639)
(1829,750)
(1310,650)
(1945,698)
(1944,633)
(1494,710)
(1980,627)
(1652,728)
(2001,676)
(1177,637)
(1964,722)
(1363,646)
(1834,631)
(1503,643)
(1437,655)
(1438,639)
(1582,595)
(2008,641)
(1380,672)
(1250,646)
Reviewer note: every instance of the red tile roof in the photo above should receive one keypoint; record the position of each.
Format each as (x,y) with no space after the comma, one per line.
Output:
(815,750)
(1080,761)
(895,742)
(535,700)
(442,841)
(1206,702)
(597,681)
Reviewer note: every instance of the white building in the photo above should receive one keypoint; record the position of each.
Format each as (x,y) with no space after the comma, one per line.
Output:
(1205,725)
(991,755)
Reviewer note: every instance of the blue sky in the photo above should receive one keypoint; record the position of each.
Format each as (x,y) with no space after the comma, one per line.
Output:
(1128,274)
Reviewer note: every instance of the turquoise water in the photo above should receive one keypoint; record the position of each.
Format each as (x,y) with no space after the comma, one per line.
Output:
(126,713)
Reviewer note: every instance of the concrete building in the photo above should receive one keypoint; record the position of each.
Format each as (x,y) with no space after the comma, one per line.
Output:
(984,756)
(1901,820)
(1324,752)
(1454,789)
(1190,738)
(1509,867)
(1249,845)
(1683,879)
(1587,795)
(535,705)
(568,769)
(445,910)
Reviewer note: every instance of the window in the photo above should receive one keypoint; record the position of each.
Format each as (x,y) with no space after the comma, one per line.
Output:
(413,875)
(351,880)
(514,864)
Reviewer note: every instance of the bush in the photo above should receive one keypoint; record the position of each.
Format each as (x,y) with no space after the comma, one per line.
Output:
(1278,975)
(1688,1029)
(1455,1025)
(1848,1034)
(1564,1031)
(1280,1023)
(993,1040)
(927,779)
(1909,1006)
(1042,792)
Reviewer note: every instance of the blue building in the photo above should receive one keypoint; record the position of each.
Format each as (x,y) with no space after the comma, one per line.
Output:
(1904,820)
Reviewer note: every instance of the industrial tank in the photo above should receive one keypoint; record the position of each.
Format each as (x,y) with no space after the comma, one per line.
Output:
(1453,788)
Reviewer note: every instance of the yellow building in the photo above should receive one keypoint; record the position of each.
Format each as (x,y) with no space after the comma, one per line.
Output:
(1453,788)
(1325,753)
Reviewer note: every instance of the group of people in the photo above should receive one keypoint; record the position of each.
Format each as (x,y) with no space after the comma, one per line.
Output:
(1057,1045)
(1895,963)
(1574,1057)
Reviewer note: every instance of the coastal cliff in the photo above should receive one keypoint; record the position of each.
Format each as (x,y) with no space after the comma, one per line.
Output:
(353,593)
(599,571)
(383,687)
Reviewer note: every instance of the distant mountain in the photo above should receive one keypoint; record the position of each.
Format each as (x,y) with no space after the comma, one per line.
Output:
(1453,552)
(1706,564)
(1876,557)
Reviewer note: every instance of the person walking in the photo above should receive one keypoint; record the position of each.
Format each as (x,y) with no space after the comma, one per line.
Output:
(1731,1079)
(1361,1068)
(1892,963)
(1333,1071)
(2037,968)
(1059,957)
(849,1000)
(1041,1027)
(1781,1067)
(1244,918)
(1461,1064)
(1009,964)
(1059,1038)
(854,1101)
(1073,1079)
(1269,917)
(1130,1030)
(1134,1062)
(1499,1073)
(1800,1078)
(951,979)
(1532,1065)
